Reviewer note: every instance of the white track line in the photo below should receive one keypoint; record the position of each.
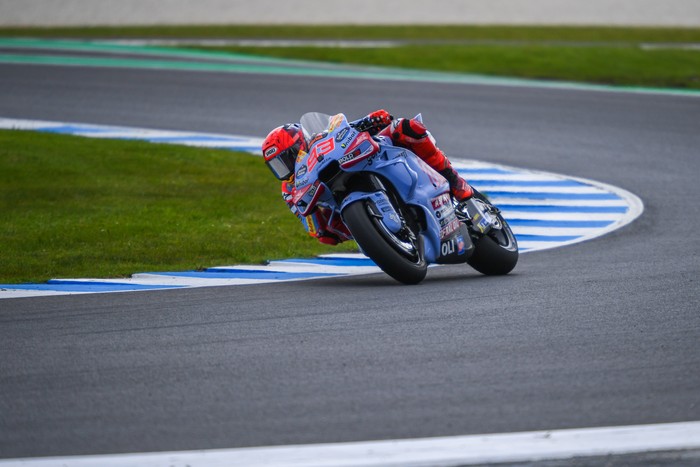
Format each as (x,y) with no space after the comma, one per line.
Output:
(424,452)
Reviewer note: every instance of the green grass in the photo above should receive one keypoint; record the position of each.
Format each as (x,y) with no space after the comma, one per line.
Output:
(615,65)
(80,207)
(601,55)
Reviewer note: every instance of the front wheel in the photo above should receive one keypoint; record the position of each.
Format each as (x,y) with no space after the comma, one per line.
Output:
(399,255)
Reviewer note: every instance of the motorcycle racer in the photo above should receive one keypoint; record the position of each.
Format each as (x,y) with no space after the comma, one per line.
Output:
(283,144)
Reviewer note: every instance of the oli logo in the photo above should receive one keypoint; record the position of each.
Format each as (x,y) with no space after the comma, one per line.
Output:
(448,248)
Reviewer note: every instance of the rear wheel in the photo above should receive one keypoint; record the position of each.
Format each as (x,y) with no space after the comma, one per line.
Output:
(495,253)
(398,254)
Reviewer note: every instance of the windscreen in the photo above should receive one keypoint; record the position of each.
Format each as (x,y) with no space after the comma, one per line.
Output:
(313,123)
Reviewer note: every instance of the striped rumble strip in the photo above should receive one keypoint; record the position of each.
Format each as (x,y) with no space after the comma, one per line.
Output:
(545,210)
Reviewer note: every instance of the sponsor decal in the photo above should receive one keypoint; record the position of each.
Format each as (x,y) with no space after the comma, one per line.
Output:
(346,158)
(481,222)
(461,245)
(447,248)
(356,154)
(311,224)
(449,228)
(342,134)
(301,172)
(318,137)
(445,214)
(311,192)
(270,152)
(361,148)
(441,200)
(335,121)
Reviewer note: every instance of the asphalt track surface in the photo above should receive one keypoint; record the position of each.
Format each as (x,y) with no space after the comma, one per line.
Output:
(600,333)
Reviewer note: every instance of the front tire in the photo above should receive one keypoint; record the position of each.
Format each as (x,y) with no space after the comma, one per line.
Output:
(401,258)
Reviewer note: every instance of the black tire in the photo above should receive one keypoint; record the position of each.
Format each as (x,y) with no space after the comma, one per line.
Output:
(383,247)
(496,253)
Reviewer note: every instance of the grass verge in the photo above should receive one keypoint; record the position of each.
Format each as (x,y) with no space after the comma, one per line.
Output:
(601,55)
(611,65)
(80,207)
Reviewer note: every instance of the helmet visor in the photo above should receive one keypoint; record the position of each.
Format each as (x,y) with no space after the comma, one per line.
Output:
(282,165)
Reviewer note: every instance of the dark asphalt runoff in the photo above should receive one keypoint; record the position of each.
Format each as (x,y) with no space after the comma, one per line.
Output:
(602,333)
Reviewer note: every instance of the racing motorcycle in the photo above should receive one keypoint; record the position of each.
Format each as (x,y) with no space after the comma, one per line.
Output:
(397,208)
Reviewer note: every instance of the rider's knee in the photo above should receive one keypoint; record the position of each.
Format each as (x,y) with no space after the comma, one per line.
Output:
(405,128)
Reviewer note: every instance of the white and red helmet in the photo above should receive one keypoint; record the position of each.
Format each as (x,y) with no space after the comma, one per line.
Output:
(281,147)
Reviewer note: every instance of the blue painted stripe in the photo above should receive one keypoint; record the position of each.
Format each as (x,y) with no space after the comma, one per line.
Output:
(244,274)
(245,147)
(333,261)
(119,134)
(128,137)
(72,129)
(224,144)
(234,147)
(84,286)
(556,223)
(178,139)
(564,209)
(546,238)
(223,138)
(528,183)
(486,170)
(541,195)
(79,129)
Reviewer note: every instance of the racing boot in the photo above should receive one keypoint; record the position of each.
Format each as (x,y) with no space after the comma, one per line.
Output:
(327,228)
(459,188)
(413,135)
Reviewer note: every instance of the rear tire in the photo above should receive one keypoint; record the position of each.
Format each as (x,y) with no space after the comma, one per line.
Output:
(492,259)
(496,253)
(392,254)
